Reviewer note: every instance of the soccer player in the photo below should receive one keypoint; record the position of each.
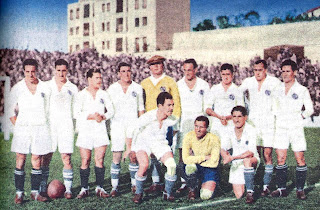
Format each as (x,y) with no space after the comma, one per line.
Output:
(92,108)
(31,129)
(151,138)
(261,93)
(204,159)
(192,91)
(242,140)
(290,98)
(127,99)
(158,82)
(61,125)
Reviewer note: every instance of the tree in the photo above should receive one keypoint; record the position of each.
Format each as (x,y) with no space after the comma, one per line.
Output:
(223,22)
(205,25)
(253,18)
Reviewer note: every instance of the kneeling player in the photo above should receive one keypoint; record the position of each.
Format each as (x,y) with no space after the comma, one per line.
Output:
(203,161)
(242,140)
(152,139)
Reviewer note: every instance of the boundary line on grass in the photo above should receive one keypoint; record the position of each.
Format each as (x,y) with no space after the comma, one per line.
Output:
(316,185)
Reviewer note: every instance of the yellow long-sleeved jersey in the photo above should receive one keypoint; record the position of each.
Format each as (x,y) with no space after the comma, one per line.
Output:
(208,145)
(166,84)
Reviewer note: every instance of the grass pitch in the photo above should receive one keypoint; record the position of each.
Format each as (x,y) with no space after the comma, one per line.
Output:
(223,199)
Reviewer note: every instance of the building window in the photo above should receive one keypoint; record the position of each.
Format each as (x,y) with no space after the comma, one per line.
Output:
(108,26)
(103,28)
(119,6)
(78,13)
(86,29)
(136,22)
(145,45)
(86,45)
(77,47)
(103,45)
(70,48)
(108,45)
(136,5)
(86,10)
(77,30)
(144,4)
(71,32)
(108,7)
(119,45)
(119,25)
(71,14)
(103,7)
(144,21)
(137,45)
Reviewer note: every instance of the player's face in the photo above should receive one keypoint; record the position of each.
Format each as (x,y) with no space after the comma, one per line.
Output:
(125,74)
(95,81)
(226,76)
(259,71)
(238,119)
(61,73)
(189,71)
(288,75)
(30,73)
(157,69)
(167,107)
(200,128)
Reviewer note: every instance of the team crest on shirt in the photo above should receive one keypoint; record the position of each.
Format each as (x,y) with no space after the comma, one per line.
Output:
(42,95)
(201,92)
(268,92)
(231,96)
(295,96)
(134,94)
(102,101)
(70,93)
(163,89)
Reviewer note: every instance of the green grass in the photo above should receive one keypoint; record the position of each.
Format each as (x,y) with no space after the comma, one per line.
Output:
(7,189)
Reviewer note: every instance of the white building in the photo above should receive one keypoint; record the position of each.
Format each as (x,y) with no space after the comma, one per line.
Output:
(126,26)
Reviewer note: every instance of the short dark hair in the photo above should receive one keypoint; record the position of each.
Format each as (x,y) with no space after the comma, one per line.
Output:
(30,62)
(265,66)
(193,61)
(202,119)
(241,109)
(162,97)
(226,66)
(123,64)
(91,72)
(291,63)
(61,62)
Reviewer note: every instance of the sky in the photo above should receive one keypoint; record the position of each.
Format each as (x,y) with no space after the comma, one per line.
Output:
(42,25)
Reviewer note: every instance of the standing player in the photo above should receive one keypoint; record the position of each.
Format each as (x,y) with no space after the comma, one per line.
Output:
(192,94)
(242,139)
(203,163)
(158,82)
(92,108)
(31,128)
(222,98)
(61,125)
(261,92)
(290,98)
(127,99)
(151,138)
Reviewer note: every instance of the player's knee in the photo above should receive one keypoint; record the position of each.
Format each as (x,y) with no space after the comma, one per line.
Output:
(205,194)
(171,166)
(133,157)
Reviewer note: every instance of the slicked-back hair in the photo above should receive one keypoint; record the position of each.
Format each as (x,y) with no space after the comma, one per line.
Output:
(202,119)
(265,66)
(226,66)
(30,62)
(91,72)
(61,62)
(162,97)
(291,63)
(193,61)
(241,109)
(122,64)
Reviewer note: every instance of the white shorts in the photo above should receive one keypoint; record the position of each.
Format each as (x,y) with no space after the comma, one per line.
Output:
(119,132)
(222,131)
(62,135)
(33,139)
(265,131)
(236,175)
(294,136)
(157,147)
(95,135)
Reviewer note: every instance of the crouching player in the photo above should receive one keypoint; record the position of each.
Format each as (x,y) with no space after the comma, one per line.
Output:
(201,153)
(151,138)
(245,159)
